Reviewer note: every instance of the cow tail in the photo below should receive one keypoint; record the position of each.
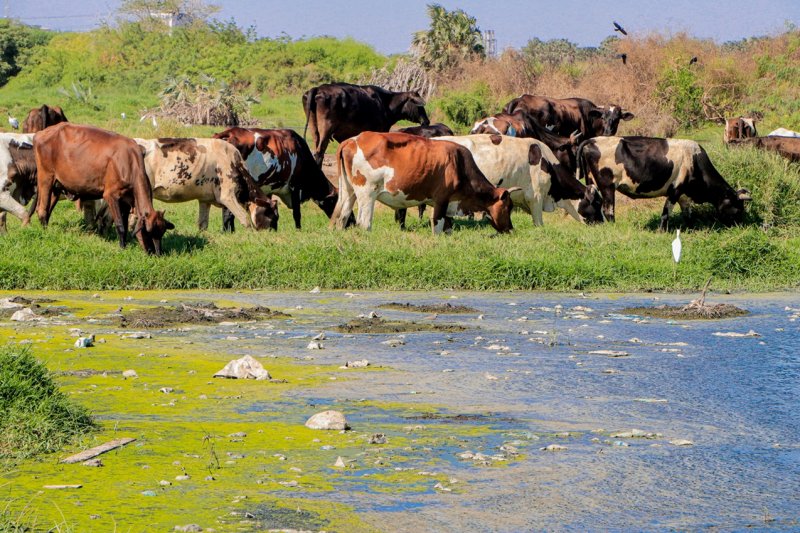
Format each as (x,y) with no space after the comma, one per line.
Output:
(582,172)
(309,106)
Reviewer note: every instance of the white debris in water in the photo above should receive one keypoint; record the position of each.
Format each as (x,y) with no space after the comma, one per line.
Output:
(681,442)
(393,343)
(610,353)
(735,334)
(635,434)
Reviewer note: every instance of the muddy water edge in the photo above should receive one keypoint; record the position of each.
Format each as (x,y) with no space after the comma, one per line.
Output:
(522,411)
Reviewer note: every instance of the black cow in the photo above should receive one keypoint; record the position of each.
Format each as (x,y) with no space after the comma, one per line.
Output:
(564,116)
(429,132)
(340,110)
(647,167)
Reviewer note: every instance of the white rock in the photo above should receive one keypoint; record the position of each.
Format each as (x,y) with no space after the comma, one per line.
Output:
(750,333)
(6,303)
(553,448)
(315,290)
(393,343)
(320,337)
(166,390)
(339,462)
(363,363)
(130,374)
(245,368)
(25,315)
(328,420)
(681,442)
(84,342)
(315,345)
(610,353)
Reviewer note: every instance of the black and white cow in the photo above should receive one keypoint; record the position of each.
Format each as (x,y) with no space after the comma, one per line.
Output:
(17,175)
(648,167)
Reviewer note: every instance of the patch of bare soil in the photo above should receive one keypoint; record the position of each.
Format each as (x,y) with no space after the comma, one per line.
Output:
(688,312)
(202,313)
(445,308)
(379,325)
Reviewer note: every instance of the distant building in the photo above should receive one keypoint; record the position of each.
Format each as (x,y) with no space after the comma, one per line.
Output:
(489,43)
(173,19)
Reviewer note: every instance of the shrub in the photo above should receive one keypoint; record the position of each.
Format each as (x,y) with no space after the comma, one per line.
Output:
(464,108)
(35,416)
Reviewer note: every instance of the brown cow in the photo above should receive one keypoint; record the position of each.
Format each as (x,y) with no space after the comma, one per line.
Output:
(788,147)
(91,163)
(40,118)
(563,116)
(739,128)
(281,163)
(403,170)
(340,110)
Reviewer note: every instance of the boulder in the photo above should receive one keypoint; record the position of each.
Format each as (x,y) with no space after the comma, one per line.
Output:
(327,420)
(245,368)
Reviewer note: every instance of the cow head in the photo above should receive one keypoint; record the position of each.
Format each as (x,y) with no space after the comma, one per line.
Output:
(605,120)
(590,206)
(150,228)
(731,208)
(264,213)
(413,108)
(328,203)
(739,128)
(499,212)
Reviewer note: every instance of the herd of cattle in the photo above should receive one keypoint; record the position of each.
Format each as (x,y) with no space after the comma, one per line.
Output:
(538,153)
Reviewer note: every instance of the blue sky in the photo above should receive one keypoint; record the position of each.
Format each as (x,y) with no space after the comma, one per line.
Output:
(388,25)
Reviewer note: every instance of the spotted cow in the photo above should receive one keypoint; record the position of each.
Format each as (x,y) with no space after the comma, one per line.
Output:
(647,167)
(403,170)
(210,171)
(739,128)
(17,176)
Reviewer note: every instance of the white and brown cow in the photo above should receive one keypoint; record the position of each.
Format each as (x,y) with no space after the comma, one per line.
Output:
(210,171)
(403,170)
(648,167)
(530,166)
(17,176)
(281,163)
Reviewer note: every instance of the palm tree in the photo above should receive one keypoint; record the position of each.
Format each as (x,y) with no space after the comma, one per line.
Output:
(452,38)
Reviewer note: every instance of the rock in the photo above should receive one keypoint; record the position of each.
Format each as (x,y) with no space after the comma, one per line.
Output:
(378,438)
(328,420)
(339,462)
(137,335)
(621,443)
(634,434)
(189,528)
(291,483)
(238,435)
(315,290)
(553,448)
(6,303)
(148,493)
(25,315)
(93,462)
(130,374)
(182,477)
(245,368)
(442,488)
(610,353)
(320,337)
(209,478)
(681,442)
(166,390)
(393,343)
(165,483)
(84,342)
(363,363)
(315,345)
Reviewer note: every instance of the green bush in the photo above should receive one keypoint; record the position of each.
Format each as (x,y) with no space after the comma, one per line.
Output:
(681,93)
(464,108)
(35,416)
(17,43)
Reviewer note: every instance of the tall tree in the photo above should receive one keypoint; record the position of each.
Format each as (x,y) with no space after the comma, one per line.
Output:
(452,37)
(147,10)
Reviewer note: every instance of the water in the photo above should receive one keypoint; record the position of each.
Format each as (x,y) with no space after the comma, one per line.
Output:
(734,398)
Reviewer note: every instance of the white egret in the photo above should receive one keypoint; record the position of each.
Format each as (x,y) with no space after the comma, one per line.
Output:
(13,122)
(123,115)
(676,247)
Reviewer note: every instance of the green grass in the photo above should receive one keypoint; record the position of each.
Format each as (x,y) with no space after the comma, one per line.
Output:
(35,416)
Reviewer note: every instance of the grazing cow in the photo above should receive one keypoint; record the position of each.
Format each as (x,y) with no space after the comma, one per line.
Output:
(530,166)
(281,164)
(91,163)
(647,167)
(739,128)
(563,116)
(40,118)
(429,132)
(340,110)
(210,171)
(17,176)
(402,170)
(788,147)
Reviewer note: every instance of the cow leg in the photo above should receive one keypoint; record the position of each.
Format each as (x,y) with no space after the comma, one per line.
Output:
(116,215)
(228,199)
(672,199)
(89,214)
(535,207)
(296,200)
(7,203)
(438,219)
(319,153)
(569,207)
(686,207)
(203,212)
(228,221)
(421,210)
(124,212)
(366,206)
(400,217)
(44,187)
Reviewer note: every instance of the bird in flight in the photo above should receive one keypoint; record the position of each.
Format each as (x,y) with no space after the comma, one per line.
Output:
(619,28)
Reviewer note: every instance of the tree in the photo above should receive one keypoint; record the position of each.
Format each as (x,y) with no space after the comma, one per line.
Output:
(17,42)
(451,38)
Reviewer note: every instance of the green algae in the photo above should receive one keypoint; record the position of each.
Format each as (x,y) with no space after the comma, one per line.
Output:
(246,435)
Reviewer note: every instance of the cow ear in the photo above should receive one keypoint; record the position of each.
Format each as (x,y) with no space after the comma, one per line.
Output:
(627,115)
(534,154)
(597,112)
